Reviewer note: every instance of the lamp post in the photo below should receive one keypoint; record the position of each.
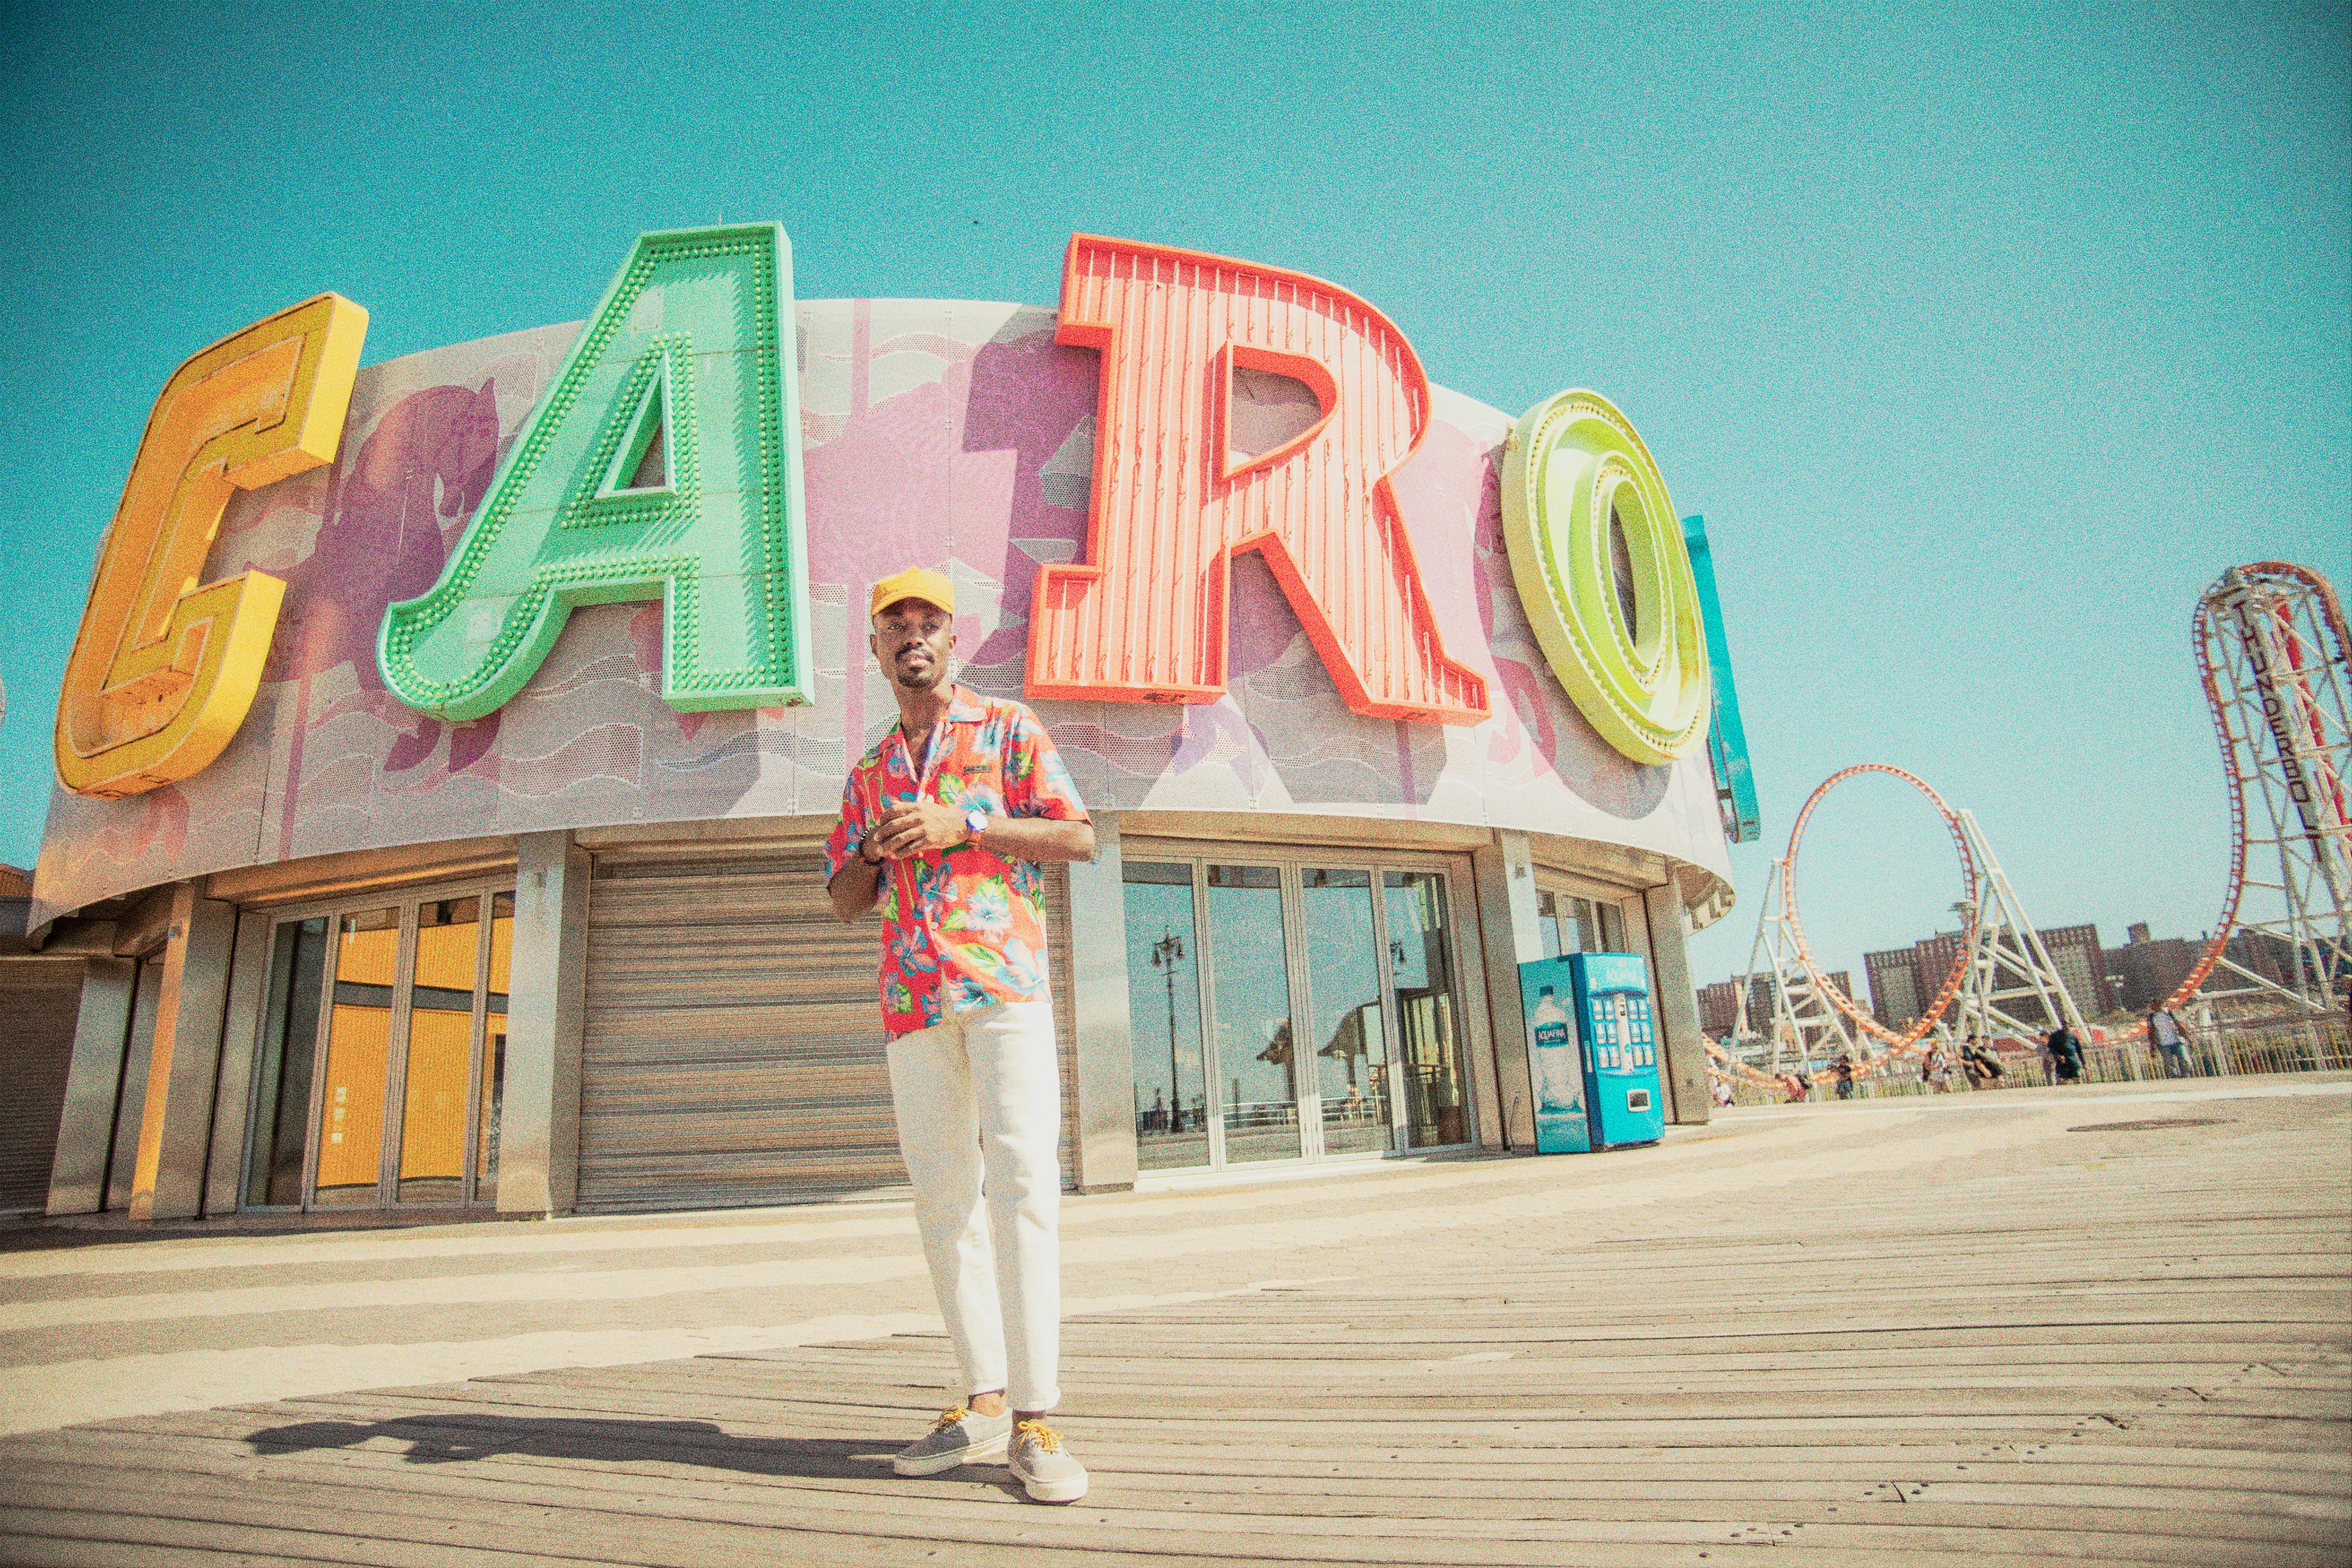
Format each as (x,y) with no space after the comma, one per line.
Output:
(1166,954)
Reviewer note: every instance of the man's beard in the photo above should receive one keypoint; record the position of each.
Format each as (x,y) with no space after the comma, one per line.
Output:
(924,679)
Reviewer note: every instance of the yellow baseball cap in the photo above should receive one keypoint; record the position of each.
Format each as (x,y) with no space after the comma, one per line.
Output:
(915,583)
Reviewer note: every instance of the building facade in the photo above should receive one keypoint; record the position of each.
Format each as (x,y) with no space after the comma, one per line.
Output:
(504,894)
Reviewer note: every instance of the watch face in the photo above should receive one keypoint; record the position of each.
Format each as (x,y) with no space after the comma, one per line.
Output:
(975,819)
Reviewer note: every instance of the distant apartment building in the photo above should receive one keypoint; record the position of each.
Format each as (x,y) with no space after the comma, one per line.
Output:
(1903,980)
(1895,996)
(2145,969)
(2075,952)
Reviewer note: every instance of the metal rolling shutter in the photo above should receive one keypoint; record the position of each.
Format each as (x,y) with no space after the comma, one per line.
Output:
(39,1002)
(731,1051)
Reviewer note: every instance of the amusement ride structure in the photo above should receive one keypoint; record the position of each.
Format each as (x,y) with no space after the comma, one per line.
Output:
(2276,663)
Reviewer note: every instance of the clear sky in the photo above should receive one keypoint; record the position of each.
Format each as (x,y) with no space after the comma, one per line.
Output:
(1983,336)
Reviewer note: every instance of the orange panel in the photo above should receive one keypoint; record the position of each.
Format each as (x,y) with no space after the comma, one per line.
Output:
(1142,618)
(350,1122)
(433,1121)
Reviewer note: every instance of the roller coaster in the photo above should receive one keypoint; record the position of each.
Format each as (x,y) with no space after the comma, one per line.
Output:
(2275,662)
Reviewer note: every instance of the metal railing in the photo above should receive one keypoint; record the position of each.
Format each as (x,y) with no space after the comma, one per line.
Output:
(2322,1045)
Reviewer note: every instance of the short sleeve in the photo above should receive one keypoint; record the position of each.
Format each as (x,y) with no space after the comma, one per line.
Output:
(1035,781)
(849,832)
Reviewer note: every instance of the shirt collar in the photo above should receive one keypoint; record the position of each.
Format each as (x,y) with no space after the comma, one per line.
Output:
(964,706)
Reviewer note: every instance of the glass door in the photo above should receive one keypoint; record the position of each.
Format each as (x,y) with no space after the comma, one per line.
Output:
(1347,1023)
(381,1060)
(1300,1010)
(1249,988)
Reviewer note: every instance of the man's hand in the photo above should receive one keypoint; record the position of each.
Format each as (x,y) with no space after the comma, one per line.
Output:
(905,830)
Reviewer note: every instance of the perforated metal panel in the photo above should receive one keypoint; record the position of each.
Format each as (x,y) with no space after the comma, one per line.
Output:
(733,1050)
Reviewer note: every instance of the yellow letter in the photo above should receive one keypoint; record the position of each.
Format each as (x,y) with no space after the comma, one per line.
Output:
(162,670)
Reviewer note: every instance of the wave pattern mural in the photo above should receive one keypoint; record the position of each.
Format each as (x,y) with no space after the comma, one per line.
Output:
(938,433)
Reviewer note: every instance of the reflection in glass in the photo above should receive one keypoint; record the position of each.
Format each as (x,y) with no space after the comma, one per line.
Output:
(1343,989)
(1251,975)
(1163,1009)
(289,1045)
(130,1087)
(358,1039)
(1429,1043)
(439,1059)
(493,1051)
(1571,924)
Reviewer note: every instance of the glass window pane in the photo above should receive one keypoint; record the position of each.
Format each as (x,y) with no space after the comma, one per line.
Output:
(1429,1044)
(1548,919)
(1250,972)
(358,1041)
(493,1051)
(289,1047)
(1163,1010)
(439,1065)
(1344,1028)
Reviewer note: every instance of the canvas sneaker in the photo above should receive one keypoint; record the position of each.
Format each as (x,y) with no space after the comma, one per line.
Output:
(958,1436)
(1043,1467)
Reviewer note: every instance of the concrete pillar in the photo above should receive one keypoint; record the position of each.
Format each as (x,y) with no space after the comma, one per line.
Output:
(86,1127)
(175,1130)
(1104,1159)
(539,1118)
(1682,1047)
(248,981)
(1506,877)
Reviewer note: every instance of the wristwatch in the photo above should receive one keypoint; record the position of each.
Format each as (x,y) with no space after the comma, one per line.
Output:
(975,822)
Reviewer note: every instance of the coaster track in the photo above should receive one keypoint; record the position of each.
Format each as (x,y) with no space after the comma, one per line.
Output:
(1860,1016)
(2323,805)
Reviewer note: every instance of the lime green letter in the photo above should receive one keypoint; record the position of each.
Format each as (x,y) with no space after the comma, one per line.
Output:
(664,461)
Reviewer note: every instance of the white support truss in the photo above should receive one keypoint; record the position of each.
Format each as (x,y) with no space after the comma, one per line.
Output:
(1807,1030)
(2275,656)
(2008,965)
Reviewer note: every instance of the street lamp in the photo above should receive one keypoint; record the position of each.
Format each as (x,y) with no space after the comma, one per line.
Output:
(1166,954)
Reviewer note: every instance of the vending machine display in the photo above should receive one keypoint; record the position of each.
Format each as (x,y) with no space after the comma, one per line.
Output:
(1622,1092)
(1555,1057)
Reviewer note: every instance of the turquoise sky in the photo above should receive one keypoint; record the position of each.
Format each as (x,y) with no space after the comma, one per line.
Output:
(1983,336)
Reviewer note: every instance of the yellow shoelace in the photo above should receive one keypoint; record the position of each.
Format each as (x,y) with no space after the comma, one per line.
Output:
(1045,1436)
(948,1418)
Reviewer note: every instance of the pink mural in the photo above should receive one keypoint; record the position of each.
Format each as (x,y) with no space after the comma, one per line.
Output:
(942,432)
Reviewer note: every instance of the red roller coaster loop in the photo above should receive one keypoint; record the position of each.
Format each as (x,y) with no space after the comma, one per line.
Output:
(2233,769)
(1844,1003)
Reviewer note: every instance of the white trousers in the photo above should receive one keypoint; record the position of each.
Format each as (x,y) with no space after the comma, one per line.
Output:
(979,1105)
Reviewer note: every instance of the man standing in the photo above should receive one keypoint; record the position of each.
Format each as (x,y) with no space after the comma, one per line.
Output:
(943,824)
(2165,1034)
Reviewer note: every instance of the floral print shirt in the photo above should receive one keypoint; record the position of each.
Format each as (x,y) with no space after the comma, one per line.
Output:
(961,928)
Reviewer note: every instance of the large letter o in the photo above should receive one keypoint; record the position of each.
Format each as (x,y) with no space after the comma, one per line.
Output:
(1574,465)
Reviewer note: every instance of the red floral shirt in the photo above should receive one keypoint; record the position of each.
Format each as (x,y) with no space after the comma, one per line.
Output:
(961,928)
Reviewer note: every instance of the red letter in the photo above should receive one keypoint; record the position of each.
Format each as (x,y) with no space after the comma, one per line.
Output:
(1142,618)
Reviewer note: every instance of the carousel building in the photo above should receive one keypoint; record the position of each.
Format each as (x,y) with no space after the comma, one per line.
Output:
(445,756)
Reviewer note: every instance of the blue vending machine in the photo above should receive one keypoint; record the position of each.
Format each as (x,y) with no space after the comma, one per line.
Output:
(1621,1048)
(1555,1056)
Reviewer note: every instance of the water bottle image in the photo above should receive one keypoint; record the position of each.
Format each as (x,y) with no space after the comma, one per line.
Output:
(1557,1079)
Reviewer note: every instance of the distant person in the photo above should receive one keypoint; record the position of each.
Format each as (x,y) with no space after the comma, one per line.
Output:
(1841,1070)
(1984,1069)
(2065,1055)
(1936,1069)
(2164,1032)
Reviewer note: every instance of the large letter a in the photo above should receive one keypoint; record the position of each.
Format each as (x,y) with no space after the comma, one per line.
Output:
(1142,618)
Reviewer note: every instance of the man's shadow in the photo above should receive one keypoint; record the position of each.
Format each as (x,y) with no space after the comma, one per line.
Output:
(456,1438)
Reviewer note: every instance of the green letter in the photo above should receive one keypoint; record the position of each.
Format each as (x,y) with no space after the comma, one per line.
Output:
(667,459)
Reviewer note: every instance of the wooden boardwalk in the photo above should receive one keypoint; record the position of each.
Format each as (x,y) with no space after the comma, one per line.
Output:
(2123,1346)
